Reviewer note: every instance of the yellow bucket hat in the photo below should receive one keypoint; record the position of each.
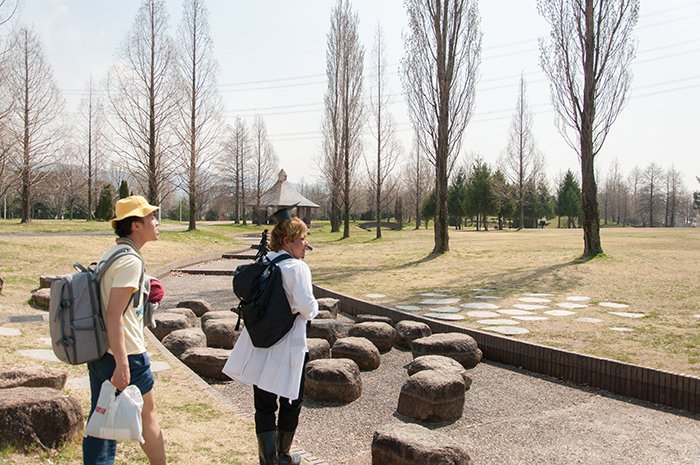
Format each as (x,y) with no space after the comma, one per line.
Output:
(134,205)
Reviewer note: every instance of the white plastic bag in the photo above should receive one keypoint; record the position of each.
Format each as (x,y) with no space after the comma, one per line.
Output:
(117,417)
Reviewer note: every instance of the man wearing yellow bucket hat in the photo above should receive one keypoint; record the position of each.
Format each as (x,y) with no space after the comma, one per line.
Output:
(123,293)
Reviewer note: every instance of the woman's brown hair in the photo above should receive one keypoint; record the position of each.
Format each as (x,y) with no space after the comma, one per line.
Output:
(292,230)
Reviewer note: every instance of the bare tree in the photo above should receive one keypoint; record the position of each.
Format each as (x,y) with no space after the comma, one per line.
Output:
(521,161)
(344,109)
(587,60)
(234,165)
(651,196)
(387,148)
(265,162)
(143,100)
(417,178)
(91,135)
(200,110)
(443,50)
(673,194)
(34,123)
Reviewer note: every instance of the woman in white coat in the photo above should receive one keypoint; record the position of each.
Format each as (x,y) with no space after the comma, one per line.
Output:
(277,372)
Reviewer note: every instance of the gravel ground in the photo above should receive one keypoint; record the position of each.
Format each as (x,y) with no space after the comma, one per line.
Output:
(510,416)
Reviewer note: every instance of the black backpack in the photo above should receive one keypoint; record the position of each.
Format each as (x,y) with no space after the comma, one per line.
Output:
(263,303)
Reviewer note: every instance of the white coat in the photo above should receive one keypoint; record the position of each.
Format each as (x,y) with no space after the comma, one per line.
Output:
(278,369)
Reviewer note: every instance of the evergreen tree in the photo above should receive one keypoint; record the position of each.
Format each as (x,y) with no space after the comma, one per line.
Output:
(481,200)
(456,197)
(504,195)
(569,199)
(123,189)
(427,210)
(104,210)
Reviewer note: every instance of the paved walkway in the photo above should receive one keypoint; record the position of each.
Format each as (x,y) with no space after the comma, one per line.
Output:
(510,416)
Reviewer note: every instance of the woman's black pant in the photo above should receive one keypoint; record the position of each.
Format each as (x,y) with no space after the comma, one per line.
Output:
(266,404)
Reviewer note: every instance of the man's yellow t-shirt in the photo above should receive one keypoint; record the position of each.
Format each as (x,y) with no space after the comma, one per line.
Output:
(126,272)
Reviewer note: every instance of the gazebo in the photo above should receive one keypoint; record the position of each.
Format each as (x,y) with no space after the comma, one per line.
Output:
(282,194)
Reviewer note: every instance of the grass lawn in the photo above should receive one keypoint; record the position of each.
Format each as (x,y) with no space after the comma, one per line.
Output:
(654,271)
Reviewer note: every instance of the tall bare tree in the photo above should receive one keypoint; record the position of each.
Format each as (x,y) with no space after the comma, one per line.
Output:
(91,137)
(200,109)
(521,162)
(265,162)
(587,60)
(651,196)
(143,101)
(443,52)
(417,178)
(673,194)
(34,124)
(235,164)
(387,148)
(344,108)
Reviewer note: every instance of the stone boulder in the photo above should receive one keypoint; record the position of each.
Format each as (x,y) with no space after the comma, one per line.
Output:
(432,396)
(333,380)
(38,416)
(167,322)
(207,362)
(181,340)
(221,333)
(219,315)
(31,375)
(458,346)
(327,308)
(411,444)
(186,312)
(358,349)
(364,318)
(408,331)
(199,307)
(439,362)
(330,330)
(41,298)
(46,280)
(318,348)
(380,334)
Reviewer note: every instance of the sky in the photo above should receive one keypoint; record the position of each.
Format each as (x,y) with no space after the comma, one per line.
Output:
(272,63)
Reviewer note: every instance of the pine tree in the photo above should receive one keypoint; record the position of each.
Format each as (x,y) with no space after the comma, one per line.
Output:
(123,189)
(104,209)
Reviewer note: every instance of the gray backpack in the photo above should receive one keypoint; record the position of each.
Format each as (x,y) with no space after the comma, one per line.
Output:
(78,331)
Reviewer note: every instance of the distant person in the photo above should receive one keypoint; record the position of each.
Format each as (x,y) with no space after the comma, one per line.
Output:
(277,372)
(126,361)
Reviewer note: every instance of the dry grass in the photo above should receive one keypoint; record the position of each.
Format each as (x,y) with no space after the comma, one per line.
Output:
(198,431)
(652,270)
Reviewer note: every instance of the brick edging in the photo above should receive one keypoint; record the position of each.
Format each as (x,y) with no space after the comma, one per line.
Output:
(649,384)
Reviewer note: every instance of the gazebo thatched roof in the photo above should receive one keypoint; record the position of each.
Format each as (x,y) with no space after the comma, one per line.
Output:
(282,194)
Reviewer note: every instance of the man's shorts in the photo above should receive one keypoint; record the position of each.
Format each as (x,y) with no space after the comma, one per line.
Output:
(102,369)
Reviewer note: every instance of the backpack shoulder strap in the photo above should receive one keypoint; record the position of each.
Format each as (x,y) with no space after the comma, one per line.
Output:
(119,252)
(280,258)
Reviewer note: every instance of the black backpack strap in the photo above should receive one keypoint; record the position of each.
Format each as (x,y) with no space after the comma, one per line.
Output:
(280,258)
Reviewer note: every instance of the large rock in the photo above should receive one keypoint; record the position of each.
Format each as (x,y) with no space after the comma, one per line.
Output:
(31,375)
(181,340)
(46,280)
(207,362)
(318,348)
(333,380)
(330,330)
(432,396)
(327,308)
(439,362)
(366,317)
(382,335)
(199,307)
(221,333)
(358,349)
(41,297)
(458,346)
(167,322)
(43,417)
(219,315)
(411,444)
(186,312)
(408,331)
